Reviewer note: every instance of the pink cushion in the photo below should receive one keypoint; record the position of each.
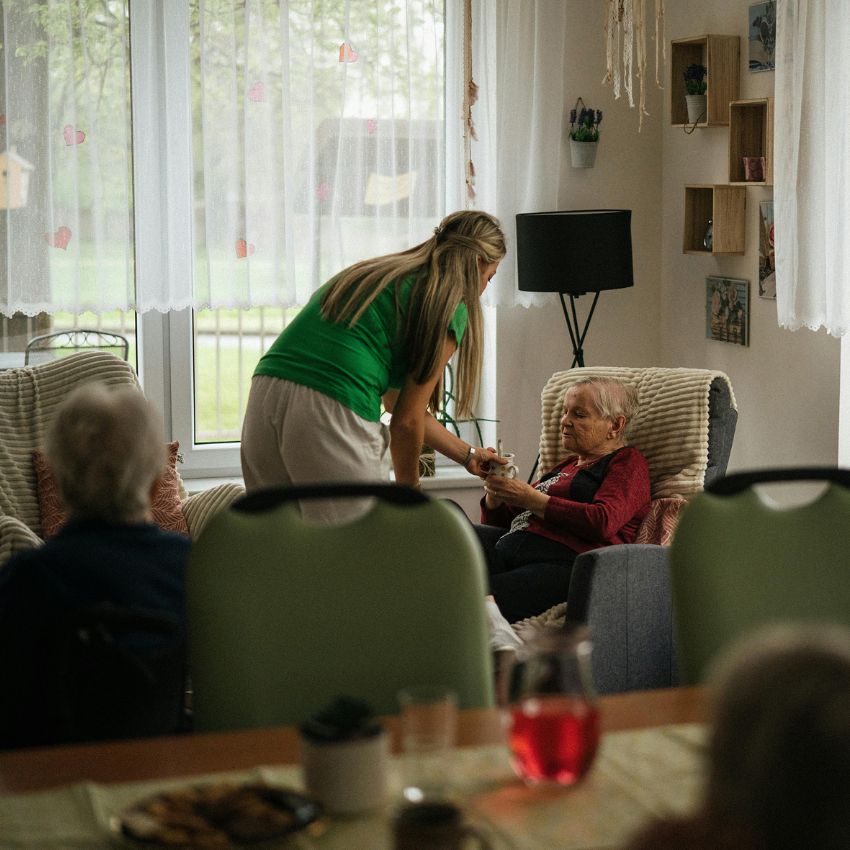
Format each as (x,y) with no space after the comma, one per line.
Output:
(660,523)
(165,505)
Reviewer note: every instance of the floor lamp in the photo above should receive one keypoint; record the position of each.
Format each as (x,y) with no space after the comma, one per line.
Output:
(573,252)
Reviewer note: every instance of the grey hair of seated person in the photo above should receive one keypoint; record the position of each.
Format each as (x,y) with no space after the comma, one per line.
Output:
(613,398)
(779,753)
(106,449)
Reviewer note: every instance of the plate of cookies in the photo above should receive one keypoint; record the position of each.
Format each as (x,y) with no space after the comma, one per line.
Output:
(217,816)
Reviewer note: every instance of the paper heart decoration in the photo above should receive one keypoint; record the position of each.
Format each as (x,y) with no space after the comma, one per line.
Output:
(371,126)
(73,137)
(60,238)
(257,92)
(243,248)
(347,53)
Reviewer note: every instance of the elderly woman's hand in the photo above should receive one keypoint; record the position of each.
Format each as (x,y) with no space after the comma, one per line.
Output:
(514,492)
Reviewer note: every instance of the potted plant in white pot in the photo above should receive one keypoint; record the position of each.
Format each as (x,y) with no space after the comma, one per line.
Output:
(584,135)
(695,88)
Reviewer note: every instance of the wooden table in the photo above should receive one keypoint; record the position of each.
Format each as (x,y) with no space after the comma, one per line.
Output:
(174,756)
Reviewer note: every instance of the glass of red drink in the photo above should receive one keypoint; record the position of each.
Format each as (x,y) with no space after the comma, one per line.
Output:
(554,721)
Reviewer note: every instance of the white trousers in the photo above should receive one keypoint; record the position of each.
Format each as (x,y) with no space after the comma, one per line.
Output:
(294,435)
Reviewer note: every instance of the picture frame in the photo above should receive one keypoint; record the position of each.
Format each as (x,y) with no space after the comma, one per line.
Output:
(727,310)
(767,254)
(761,29)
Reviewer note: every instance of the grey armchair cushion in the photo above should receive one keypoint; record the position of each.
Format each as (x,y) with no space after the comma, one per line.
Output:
(622,593)
(722,420)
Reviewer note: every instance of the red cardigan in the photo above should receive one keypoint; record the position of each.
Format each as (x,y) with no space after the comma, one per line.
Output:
(613,516)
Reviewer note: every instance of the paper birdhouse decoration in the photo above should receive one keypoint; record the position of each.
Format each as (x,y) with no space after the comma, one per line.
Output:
(14,180)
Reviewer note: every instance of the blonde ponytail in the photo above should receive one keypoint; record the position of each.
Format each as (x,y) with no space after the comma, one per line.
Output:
(447,272)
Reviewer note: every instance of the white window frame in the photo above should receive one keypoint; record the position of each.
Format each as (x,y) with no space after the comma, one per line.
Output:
(162,156)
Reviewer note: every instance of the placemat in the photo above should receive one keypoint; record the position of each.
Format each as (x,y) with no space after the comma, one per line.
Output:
(637,775)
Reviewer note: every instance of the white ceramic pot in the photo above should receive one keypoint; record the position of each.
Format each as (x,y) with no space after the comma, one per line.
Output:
(347,776)
(583,154)
(696,108)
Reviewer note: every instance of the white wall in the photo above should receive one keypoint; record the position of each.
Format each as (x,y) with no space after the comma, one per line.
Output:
(533,343)
(786,384)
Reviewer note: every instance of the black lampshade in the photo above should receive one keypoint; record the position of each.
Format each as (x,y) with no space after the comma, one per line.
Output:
(574,251)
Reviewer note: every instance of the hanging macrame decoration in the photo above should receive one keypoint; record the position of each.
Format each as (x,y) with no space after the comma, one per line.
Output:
(625,49)
(470,95)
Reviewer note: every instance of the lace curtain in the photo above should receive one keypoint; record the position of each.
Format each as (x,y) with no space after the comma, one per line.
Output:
(812,166)
(317,138)
(518,63)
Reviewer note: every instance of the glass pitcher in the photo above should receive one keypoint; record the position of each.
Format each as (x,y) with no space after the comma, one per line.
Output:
(554,720)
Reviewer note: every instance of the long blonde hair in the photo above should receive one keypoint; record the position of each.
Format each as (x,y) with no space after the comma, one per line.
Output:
(447,273)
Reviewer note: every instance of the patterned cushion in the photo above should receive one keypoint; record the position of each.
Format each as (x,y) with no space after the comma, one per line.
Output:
(165,505)
(660,523)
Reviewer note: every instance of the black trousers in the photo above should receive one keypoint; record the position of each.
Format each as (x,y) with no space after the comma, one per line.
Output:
(528,574)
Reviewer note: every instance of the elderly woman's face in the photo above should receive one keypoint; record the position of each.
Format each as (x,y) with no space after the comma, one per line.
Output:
(584,430)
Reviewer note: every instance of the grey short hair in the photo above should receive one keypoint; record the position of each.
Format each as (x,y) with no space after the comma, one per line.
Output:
(106,449)
(780,748)
(613,398)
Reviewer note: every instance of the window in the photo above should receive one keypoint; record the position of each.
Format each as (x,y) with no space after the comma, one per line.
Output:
(272,144)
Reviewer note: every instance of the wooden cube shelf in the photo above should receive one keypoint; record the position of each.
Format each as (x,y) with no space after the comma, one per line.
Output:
(721,55)
(751,134)
(725,206)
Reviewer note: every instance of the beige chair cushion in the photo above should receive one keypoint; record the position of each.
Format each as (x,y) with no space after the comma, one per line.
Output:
(670,428)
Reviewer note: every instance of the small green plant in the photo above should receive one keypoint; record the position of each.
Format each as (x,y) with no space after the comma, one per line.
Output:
(695,79)
(584,124)
(444,415)
(344,719)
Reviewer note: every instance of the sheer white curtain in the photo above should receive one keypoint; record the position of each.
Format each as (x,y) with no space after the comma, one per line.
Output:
(66,243)
(518,63)
(321,141)
(812,165)
(317,139)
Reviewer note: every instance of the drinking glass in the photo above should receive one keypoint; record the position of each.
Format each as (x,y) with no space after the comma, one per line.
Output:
(428,723)
(554,721)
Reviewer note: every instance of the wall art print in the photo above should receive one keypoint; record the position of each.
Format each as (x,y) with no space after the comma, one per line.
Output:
(727,309)
(761,26)
(767,255)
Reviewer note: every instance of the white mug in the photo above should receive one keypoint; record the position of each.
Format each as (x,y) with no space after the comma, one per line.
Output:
(507,470)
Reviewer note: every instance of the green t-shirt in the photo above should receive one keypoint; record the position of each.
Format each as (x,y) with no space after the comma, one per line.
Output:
(354,365)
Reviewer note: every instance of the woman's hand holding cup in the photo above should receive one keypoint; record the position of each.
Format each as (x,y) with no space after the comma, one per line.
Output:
(482,460)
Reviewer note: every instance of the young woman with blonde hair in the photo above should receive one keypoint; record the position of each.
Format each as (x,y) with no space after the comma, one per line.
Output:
(381,331)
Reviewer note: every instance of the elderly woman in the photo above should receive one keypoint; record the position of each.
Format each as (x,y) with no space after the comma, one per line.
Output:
(106,450)
(597,496)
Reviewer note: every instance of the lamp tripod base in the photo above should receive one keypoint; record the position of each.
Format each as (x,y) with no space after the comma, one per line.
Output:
(577,334)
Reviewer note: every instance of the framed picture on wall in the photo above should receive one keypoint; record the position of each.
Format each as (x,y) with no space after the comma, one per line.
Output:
(761,26)
(767,256)
(727,309)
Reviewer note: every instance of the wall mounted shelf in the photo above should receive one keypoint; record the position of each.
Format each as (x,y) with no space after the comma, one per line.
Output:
(721,55)
(750,134)
(725,206)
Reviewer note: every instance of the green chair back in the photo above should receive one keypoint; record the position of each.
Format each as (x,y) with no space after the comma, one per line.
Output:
(284,615)
(739,562)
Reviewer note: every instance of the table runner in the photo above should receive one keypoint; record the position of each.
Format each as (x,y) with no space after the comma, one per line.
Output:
(637,775)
